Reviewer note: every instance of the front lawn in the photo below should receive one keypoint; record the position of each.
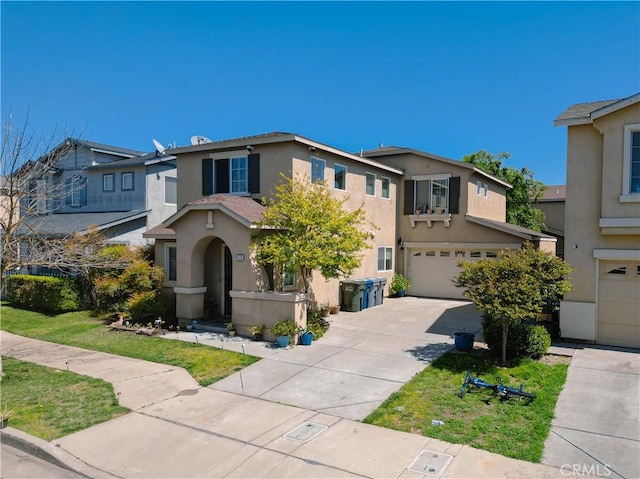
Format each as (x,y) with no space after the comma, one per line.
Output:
(206,364)
(512,428)
(50,403)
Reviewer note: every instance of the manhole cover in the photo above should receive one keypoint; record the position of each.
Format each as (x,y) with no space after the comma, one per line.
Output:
(188,392)
(430,463)
(305,431)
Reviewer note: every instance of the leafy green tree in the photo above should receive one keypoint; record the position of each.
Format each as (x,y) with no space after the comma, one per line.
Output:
(515,286)
(526,189)
(308,229)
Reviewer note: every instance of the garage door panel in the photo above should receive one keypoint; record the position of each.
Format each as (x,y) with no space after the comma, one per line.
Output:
(619,335)
(619,290)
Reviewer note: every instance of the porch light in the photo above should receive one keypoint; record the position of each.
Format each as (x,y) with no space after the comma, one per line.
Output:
(239,257)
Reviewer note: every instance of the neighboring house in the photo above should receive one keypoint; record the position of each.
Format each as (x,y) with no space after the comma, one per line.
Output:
(206,247)
(118,191)
(448,211)
(552,204)
(602,222)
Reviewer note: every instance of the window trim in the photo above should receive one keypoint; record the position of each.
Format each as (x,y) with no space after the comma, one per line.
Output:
(346,170)
(322,164)
(366,183)
(124,175)
(388,180)
(293,275)
(627,195)
(113,182)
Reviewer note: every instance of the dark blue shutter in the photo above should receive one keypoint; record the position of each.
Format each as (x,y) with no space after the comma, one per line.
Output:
(222,176)
(207,176)
(454,195)
(409,197)
(254,173)
(68,184)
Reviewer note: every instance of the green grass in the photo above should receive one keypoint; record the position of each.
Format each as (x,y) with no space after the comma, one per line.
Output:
(512,428)
(206,364)
(50,403)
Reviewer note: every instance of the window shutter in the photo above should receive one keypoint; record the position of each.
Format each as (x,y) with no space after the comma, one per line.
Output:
(207,176)
(254,173)
(454,195)
(222,176)
(409,196)
(67,187)
(83,192)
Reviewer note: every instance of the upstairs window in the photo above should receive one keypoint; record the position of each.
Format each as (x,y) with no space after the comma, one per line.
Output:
(386,188)
(239,176)
(76,191)
(634,182)
(432,194)
(170,190)
(108,182)
(317,169)
(631,164)
(371,184)
(340,177)
(127,181)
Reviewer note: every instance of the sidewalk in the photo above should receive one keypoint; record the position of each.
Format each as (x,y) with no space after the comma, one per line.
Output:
(178,429)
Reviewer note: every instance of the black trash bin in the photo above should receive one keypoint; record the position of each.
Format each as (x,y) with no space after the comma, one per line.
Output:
(380,284)
(351,295)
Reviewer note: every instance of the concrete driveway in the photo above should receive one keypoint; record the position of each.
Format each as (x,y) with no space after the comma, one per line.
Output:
(362,359)
(596,429)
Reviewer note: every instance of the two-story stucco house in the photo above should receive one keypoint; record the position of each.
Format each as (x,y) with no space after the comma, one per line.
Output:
(448,211)
(119,191)
(602,221)
(552,204)
(205,247)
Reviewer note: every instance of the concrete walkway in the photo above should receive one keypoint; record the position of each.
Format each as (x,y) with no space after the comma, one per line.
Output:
(178,429)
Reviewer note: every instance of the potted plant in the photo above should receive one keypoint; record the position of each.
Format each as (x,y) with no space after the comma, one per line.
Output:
(335,309)
(306,338)
(399,285)
(325,309)
(464,341)
(257,332)
(284,331)
(231,329)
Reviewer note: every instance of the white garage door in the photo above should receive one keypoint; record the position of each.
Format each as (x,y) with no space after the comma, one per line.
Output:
(619,303)
(432,271)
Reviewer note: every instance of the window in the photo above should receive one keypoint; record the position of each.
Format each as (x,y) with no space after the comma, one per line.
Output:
(76,191)
(340,177)
(289,279)
(170,190)
(385,262)
(317,169)
(476,254)
(479,188)
(486,190)
(432,195)
(127,181)
(386,184)
(491,254)
(631,165)
(371,184)
(445,254)
(239,175)
(171,262)
(108,182)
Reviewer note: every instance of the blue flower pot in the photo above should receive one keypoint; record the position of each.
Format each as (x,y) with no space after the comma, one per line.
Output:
(306,338)
(464,341)
(283,341)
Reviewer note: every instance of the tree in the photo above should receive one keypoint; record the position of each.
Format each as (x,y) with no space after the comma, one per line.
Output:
(515,286)
(27,164)
(526,189)
(308,229)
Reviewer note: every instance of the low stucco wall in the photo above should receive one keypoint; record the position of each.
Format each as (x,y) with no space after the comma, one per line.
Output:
(254,308)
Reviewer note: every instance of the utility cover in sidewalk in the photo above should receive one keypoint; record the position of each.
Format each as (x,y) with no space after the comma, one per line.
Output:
(430,463)
(305,431)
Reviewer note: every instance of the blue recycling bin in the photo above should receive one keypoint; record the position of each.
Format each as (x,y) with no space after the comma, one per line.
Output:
(368,300)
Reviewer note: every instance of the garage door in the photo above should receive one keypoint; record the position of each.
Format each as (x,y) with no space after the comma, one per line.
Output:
(432,271)
(619,303)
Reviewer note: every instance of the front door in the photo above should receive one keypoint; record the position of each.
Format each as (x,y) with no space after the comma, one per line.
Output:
(228,270)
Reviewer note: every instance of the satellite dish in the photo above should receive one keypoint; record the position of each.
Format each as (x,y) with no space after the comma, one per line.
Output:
(200,140)
(159,148)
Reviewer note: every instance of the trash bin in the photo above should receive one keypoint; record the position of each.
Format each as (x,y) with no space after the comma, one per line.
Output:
(351,295)
(380,283)
(368,297)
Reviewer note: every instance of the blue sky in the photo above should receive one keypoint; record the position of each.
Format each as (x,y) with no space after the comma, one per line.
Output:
(449,78)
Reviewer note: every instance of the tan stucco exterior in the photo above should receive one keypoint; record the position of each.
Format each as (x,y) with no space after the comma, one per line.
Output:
(602,222)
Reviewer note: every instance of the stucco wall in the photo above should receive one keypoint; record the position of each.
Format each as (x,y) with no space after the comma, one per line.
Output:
(493,206)
(155,195)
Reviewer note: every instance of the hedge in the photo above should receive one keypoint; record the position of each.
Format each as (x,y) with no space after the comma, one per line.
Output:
(46,294)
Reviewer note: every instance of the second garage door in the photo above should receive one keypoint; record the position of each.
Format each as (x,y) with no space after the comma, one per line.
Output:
(619,304)
(432,270)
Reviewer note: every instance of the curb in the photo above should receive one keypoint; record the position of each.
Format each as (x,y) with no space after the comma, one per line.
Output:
(50,453)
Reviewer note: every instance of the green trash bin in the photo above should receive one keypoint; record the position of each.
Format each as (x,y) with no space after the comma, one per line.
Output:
(351,294)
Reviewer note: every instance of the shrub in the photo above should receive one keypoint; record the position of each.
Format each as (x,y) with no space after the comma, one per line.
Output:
(46,294)
(286,327)
(145,305)
(523,340)
(316,324)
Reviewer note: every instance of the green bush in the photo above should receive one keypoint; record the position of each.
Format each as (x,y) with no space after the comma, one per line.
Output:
(316,324)
(523,340)
(46,294)
(145,305)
